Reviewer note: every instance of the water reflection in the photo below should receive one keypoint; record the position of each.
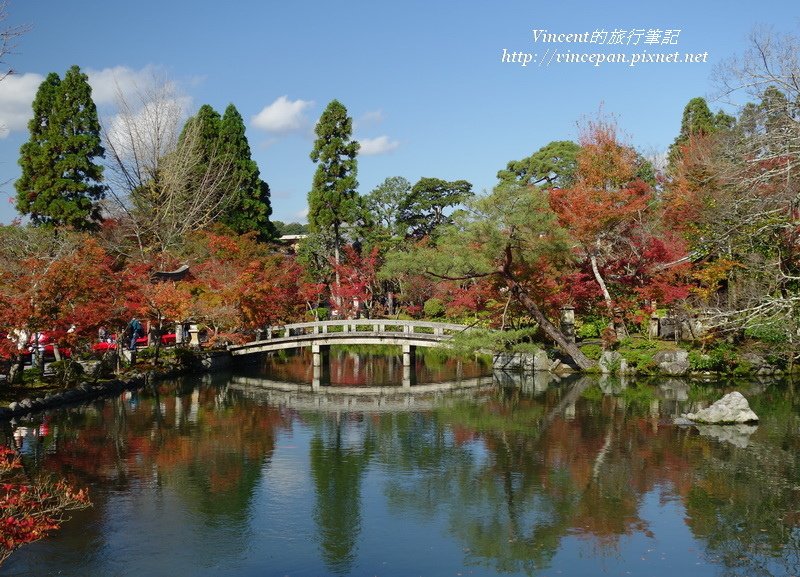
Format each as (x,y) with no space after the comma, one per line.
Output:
(373,366)
(237,477)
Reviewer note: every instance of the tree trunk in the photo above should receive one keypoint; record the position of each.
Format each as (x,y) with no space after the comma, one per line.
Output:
(619,327)
(337,300)
(552,331)
(155,334)
(16,369)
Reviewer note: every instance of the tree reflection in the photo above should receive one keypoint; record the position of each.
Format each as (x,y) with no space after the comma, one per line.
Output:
(339,454)
(200,442)
(547,476)
(744,502)
(516,476)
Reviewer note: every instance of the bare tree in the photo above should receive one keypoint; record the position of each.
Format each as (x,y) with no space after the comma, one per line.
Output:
(8,38)
(163,182)
(764,83)
(756,215)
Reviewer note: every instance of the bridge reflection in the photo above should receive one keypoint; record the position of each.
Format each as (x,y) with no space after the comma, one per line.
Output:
(302,396)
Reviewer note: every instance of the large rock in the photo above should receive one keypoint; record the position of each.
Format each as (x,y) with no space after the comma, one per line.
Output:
(541,362)
(733,408)
(612,363)
(513,361)
(672,362)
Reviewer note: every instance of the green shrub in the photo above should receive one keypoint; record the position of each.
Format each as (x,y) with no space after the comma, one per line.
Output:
(640,361)
(593,352)
(319,313)
(590,328)
(32,375)
(434,308)
(185,358)
(67,372)
(721,358)
(145,353)
(699,361)
(519,340)
(768,333)
(743,368)
(638,353)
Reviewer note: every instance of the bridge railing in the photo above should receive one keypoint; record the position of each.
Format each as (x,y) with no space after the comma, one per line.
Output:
(362,326)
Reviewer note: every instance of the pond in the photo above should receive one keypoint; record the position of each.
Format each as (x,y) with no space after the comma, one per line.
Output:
(465,473)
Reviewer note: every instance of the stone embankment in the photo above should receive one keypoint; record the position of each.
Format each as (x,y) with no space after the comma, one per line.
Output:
(206,361)
(674,363)
(79,394)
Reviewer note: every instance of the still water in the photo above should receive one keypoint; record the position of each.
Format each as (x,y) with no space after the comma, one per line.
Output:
(255,474)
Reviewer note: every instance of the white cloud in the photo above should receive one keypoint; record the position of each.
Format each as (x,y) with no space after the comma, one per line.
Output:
(108,82)
(148,117)
(379,145)
(283,115)
(17,92)
(150,130)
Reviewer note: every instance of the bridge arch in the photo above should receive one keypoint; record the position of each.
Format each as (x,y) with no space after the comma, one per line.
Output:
(321,335)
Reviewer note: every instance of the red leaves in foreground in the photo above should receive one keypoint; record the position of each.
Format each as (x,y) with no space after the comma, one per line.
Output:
(29,510)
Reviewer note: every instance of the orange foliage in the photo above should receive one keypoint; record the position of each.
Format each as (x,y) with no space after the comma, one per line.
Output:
(693,187)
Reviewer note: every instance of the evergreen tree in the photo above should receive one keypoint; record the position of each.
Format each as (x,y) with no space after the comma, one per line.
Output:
(36,160)
(60,182)
(332,200)
(249,208)
(384,202)
(422,211)
(201,134)
(551,166)
(698,120)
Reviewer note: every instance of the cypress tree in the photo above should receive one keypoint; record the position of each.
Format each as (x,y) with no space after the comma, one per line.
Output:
(698,120)
(249,208)
(61,182)
(332,200)
(201,135)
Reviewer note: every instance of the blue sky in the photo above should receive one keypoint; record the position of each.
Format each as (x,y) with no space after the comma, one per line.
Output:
(423,80)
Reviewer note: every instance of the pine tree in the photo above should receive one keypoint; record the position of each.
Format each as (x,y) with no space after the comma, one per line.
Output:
(249,208)
(332,200)
(697,120)
(60,182)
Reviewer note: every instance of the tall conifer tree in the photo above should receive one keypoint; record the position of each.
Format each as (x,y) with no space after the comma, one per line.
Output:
(61,182)
(332,200)
(249,208)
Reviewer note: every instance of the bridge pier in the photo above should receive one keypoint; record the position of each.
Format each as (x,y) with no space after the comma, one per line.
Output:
(321,354)
(409,364)
(319,378)
(321,366)
(409,355)
(409,376)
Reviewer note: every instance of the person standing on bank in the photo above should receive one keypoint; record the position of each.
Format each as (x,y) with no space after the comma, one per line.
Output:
(136,331)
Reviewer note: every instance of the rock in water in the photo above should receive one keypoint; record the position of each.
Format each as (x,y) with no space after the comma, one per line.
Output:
(730,409)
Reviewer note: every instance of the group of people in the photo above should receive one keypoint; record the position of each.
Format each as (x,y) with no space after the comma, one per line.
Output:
(133,332)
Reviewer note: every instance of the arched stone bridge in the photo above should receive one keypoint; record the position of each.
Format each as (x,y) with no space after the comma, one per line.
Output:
(321,335)
(408,334)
